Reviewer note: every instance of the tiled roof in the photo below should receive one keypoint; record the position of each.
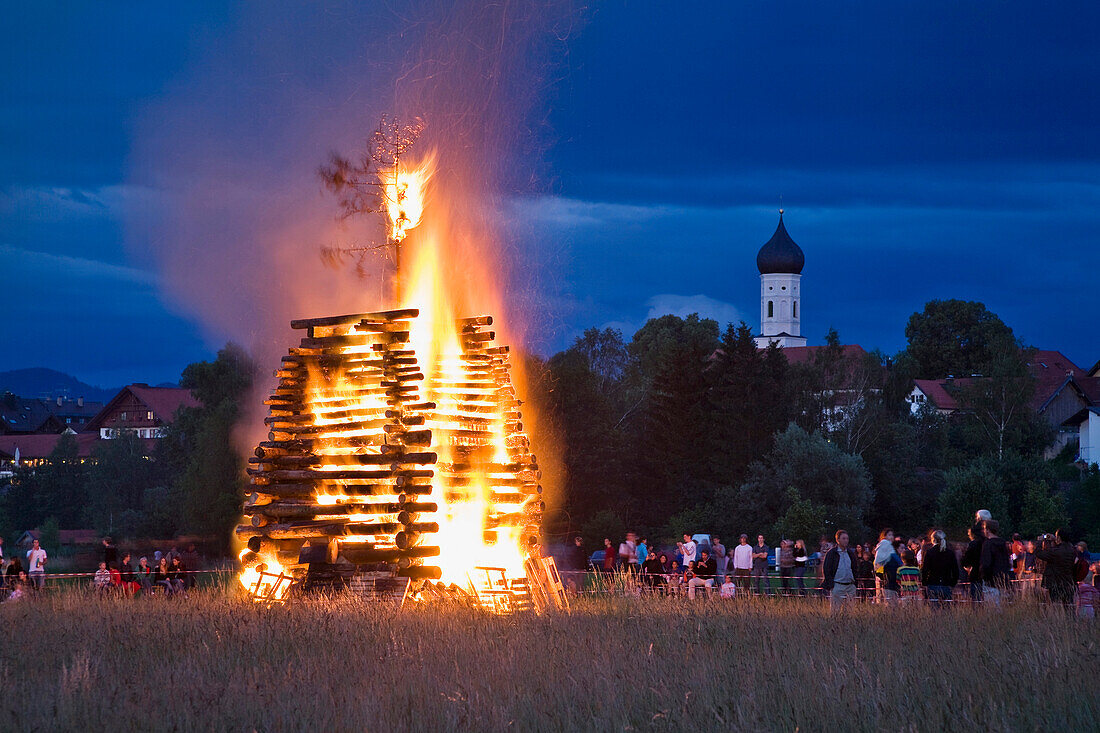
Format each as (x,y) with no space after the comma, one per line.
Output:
(163,401)
(1050,369)
(40,446)
(936,391)
(25,415)
(804,354)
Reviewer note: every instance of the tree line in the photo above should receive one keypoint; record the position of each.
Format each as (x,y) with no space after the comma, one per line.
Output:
(686,427)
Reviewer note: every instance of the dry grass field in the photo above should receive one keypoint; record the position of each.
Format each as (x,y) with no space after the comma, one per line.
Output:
(213,661)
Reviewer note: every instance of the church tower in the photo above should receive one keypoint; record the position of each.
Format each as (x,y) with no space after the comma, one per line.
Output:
(780,262)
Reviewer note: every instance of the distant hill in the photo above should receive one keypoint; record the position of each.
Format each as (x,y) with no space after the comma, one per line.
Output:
(50,384)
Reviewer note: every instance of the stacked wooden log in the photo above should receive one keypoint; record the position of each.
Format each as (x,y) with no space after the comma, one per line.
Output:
(364,455)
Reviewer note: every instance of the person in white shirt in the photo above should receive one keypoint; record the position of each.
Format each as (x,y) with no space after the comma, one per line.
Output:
(687,549)
(728,589)
(36,565)
(742,563)
(628,553)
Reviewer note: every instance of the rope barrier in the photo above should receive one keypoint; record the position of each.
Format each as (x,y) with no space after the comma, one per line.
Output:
(92,574)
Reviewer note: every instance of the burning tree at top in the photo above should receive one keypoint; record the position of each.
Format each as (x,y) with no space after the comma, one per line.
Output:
(396,442)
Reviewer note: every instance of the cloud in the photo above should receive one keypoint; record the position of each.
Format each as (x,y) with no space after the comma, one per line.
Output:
(50,266)
(685,305)
(570,213)
(55,204)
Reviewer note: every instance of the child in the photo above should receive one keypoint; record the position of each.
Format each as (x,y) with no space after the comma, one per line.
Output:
(102,579)
(728,589)
(17,593)
(909,578)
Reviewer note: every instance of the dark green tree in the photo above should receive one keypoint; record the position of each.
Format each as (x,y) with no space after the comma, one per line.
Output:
(212,482)
(977,485)
(825,481)
(592,434)
(60,487)
(1083,506)
(672,355)
(117,481)
(1042,510)
(998,405)
(956,337)
(749,400)
(905,487)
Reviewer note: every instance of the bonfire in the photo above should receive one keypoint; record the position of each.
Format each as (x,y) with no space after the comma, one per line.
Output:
(396,458)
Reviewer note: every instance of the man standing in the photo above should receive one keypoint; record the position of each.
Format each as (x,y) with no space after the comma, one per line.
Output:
(720,559)
(643,552)
(742,563)
(760,566)
(608,555)
(687,549)
(628,553)
(996,566)
(972,561)
(36,565)
(840,577)
(110,553)
(704,574)
(1059,555)
(578,560)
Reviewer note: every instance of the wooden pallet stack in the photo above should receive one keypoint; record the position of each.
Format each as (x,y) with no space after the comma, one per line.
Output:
(365,456)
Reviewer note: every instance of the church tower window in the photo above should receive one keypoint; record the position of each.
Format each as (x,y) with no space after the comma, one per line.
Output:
(771,309)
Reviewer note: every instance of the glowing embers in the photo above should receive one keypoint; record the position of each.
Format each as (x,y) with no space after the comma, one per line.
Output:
(376,464)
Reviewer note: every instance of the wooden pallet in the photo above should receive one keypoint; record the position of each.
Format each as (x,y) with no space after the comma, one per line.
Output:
(546,588)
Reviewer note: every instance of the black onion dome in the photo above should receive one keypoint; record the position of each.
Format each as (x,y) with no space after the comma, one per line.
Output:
(780,254)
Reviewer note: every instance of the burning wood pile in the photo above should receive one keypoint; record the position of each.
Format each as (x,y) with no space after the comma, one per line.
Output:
(377,461)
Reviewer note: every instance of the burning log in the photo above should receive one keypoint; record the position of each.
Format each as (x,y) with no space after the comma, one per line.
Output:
(364,555)
(349,320)
(346,466)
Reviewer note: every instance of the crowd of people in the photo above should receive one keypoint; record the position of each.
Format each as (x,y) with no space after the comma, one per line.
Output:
(988,569)
(169,573)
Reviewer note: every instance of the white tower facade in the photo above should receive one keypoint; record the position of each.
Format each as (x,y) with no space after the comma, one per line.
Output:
(780,262)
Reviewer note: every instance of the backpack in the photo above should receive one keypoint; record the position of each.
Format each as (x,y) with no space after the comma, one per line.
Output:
(1080,568)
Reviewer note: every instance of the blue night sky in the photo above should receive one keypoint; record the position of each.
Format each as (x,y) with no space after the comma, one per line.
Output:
(921,150)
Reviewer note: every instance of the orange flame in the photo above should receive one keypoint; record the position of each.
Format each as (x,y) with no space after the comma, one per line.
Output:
(405,192)
(484,488)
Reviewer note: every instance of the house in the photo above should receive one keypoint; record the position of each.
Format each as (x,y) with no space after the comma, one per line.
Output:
(25,416)
(72,413)
(1087,424)
(70,538)
(851,386)
(1063,392)
(935,393)
(140,408)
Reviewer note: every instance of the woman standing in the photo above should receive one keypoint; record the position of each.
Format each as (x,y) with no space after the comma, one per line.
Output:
(786,565)
(864,572)
(801,558)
